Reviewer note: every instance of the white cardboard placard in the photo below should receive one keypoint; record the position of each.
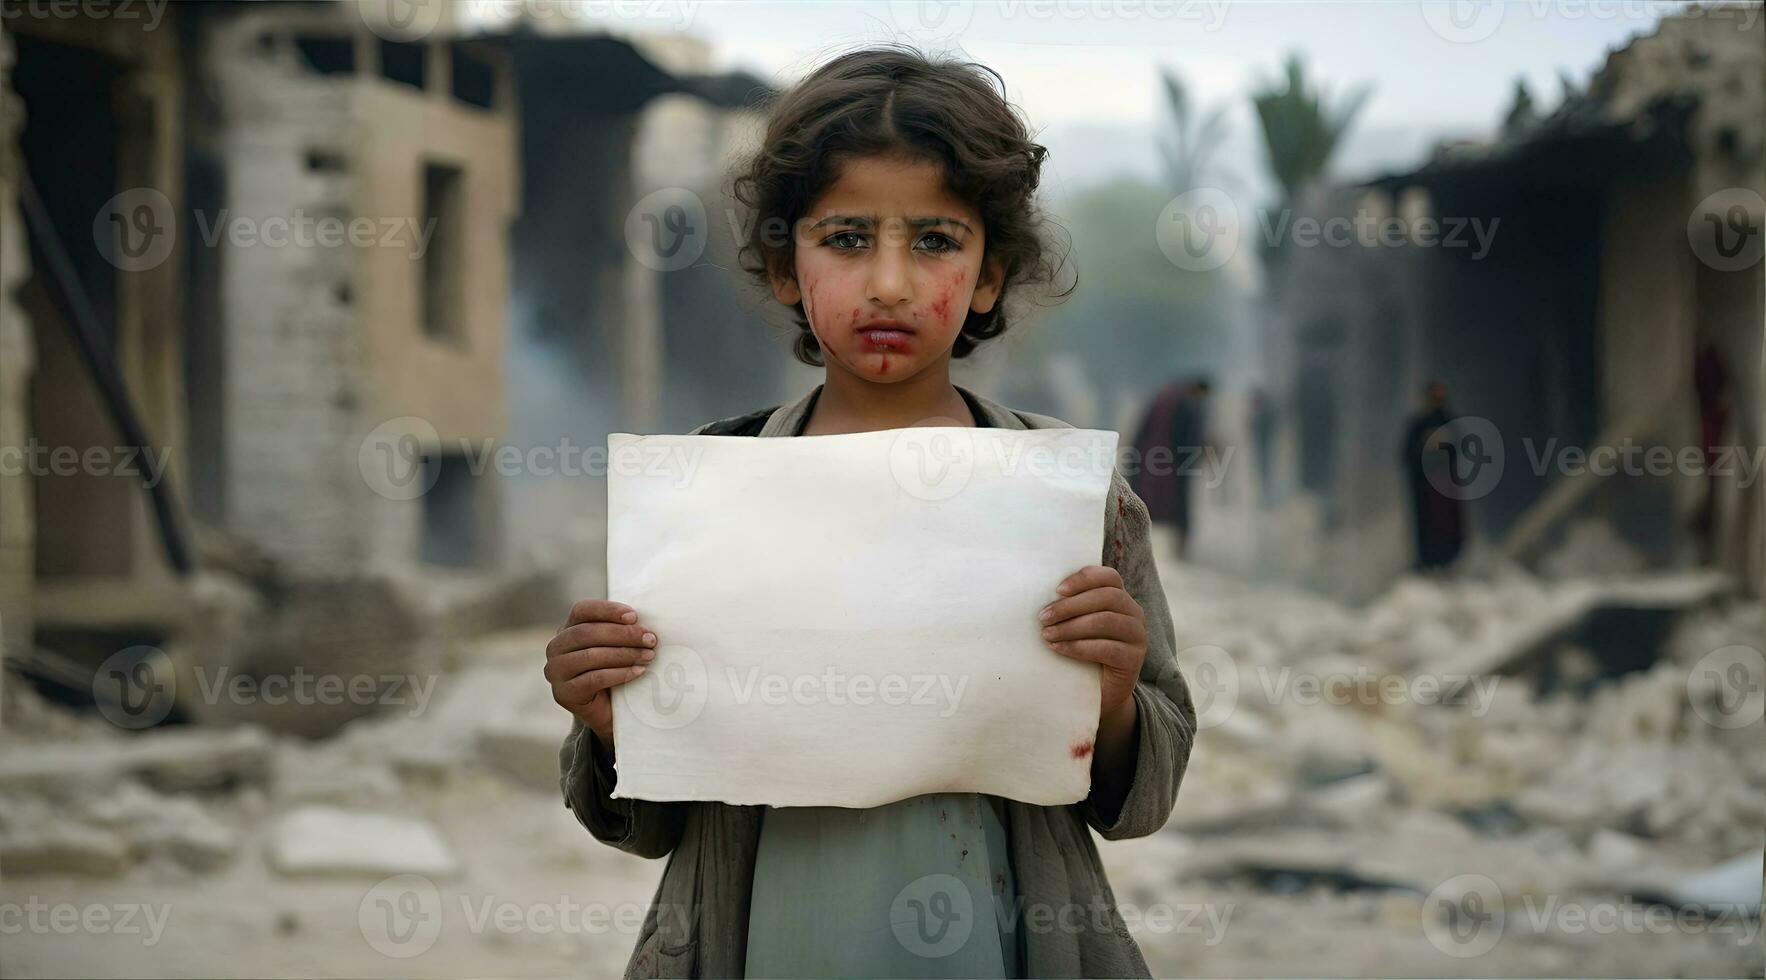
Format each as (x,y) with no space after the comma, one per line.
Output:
(850,620)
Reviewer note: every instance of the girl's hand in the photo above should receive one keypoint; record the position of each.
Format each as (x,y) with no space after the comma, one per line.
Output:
(1098,620)
(599,648)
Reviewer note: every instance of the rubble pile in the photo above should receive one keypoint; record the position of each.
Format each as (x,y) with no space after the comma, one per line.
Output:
(78,796)
(1497,728)
(1502,743)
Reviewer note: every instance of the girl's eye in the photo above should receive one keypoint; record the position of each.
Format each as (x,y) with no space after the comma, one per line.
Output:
(944,242)
(934,242)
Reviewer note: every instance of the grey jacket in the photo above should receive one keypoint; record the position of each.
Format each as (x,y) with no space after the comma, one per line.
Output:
(697,924)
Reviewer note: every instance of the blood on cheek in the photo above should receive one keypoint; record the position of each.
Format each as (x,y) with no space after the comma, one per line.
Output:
(941,306)
(948,291)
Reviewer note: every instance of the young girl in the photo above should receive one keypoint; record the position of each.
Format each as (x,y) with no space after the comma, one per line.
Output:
(894,209)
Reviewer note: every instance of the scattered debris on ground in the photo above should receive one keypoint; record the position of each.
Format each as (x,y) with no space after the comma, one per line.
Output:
(1519,745)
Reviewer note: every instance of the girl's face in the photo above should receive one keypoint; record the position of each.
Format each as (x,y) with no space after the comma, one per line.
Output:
(888,266)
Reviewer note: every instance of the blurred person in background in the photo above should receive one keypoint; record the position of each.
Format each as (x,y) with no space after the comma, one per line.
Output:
(1170,443)
(1263,444)
(1438,519)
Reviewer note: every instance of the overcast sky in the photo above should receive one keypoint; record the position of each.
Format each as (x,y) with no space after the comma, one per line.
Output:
(1086,72)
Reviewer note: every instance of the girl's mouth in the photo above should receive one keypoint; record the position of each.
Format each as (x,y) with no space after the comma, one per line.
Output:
(886,335)
(886,338)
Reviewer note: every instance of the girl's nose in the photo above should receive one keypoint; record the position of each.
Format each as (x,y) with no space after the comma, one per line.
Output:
(891,279)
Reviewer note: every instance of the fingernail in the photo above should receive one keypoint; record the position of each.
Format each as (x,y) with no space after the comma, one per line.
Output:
(647,655)
(1046,614)
(639,669)
(649,638)
(628,617)
(1063,588)
(1048,631)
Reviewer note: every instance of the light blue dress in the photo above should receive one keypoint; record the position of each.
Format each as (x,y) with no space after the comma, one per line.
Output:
(921,887)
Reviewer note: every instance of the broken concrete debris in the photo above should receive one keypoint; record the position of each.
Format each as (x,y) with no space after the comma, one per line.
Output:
(328,840)
(1307,785)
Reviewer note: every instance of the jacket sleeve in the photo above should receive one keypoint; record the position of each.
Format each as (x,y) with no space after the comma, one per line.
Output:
(640,827)
(1166,723)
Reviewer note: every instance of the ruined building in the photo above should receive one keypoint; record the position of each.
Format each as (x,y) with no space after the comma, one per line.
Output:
(1612,302)
(305,258)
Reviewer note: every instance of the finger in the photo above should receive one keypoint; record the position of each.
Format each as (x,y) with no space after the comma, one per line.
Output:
(1109,653)
(1108,625)
(567,665)
(585,635)
(1091,600)
(1090,577)
(582,688)
(600,611)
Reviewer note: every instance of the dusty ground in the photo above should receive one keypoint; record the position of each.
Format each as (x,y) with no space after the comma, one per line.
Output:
(1309,839)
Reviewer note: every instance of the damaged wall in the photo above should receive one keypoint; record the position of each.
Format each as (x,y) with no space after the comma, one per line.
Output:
(326,343)
(17,511)
(1579,327)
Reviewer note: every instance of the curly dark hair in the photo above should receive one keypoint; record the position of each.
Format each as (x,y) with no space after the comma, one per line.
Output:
(896,101)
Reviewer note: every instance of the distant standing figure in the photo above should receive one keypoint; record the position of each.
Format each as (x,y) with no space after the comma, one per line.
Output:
(1438,518)
(1171,441)
(1263,444)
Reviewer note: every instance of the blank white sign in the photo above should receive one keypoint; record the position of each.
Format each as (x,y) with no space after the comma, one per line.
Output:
(850,620)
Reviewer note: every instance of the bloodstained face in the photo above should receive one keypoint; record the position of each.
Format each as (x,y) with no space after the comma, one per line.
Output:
(888,266)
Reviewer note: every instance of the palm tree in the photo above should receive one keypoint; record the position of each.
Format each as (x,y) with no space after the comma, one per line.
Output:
(1189,146)
(1302,127)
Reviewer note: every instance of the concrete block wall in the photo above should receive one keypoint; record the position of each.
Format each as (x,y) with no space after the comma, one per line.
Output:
(324,344)
(17,513)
